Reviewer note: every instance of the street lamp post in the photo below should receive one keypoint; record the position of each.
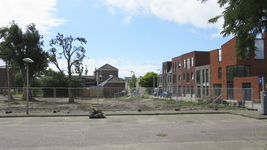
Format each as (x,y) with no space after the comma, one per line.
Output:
(28,60)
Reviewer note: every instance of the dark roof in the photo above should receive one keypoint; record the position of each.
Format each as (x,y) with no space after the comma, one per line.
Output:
(112,80)
(107,67)
(84,77)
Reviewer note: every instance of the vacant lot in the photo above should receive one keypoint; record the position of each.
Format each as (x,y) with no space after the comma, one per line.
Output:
(84,104)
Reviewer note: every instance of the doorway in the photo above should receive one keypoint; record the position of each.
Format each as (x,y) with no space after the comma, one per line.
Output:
(246,91)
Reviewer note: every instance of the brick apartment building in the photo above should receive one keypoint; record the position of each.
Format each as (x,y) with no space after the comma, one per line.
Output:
(183,72)
(3,76)
(229,72)
(165,76)
(105,72)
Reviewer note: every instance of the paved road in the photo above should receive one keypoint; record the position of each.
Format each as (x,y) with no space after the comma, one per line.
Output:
(205,131)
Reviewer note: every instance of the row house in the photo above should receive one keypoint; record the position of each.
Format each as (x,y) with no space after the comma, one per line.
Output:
(229,75)
(184,70)
(217,73)
(165,77)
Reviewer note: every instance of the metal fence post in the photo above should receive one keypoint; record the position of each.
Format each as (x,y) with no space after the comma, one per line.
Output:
(252,97)
(55,111)
(222,97)
(97,98)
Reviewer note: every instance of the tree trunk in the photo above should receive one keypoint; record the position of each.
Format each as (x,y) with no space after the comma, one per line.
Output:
(70,90)
(71,97)
(8,81)
(24,80)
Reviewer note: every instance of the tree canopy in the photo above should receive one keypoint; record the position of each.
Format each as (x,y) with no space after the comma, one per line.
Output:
(52,78)
(72,54)
(17,45)
(132,82)
(244,19)
(147,80)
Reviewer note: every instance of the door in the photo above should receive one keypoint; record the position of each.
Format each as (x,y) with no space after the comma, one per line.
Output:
(198,91)
(246,87)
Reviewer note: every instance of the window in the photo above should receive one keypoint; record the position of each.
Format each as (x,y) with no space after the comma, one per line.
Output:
(207,75)
(179,78)
(179,91)
(174,90)
(220,73)
(203,89)
(187,77)
(203,76)
(192,76)
(219,55)
(192,61)
(179,66)
(184,76)
(198,76)
(188,64)
(175,67)
(184,63)
(217,89)
(174,79)
(259,53)
(207,90)
(187,89)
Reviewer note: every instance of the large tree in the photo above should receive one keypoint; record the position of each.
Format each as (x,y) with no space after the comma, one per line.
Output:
(72,54)
(244,19)
(147,79)
(17,45)
(132,82)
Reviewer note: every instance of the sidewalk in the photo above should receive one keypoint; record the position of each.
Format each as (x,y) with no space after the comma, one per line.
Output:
(244,113)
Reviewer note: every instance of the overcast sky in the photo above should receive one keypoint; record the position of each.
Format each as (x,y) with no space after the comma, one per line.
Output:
(131,35)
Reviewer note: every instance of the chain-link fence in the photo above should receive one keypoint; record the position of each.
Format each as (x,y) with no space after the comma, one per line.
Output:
(47,100)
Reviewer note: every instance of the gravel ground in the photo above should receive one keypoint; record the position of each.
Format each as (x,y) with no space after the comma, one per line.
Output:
(84,104)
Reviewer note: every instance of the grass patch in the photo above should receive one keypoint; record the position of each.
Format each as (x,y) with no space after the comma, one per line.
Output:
(143,96)
(161,135)
(191,103)
(17,94)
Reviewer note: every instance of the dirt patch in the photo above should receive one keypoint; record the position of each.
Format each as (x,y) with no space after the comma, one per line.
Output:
(84,104)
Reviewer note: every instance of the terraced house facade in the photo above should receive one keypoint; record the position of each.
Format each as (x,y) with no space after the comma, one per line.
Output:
(217,73)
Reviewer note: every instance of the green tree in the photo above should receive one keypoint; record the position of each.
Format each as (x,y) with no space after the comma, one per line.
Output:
(244,19)
(72,54)
(17,45)
(147,80)
(52,78)
(132,82)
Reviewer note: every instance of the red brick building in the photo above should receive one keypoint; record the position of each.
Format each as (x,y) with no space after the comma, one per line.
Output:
(183,72)
(229,72)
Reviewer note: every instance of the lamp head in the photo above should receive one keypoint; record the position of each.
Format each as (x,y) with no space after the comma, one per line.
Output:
(28,60)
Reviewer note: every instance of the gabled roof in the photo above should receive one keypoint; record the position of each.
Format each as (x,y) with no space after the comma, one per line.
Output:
(107,67)
(112,80)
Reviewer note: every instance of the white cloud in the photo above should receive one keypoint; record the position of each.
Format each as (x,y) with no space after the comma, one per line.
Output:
(193,30)
(2,63)
(111,10)
(95,5)
(30,11)
(181,11)
(127,20)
